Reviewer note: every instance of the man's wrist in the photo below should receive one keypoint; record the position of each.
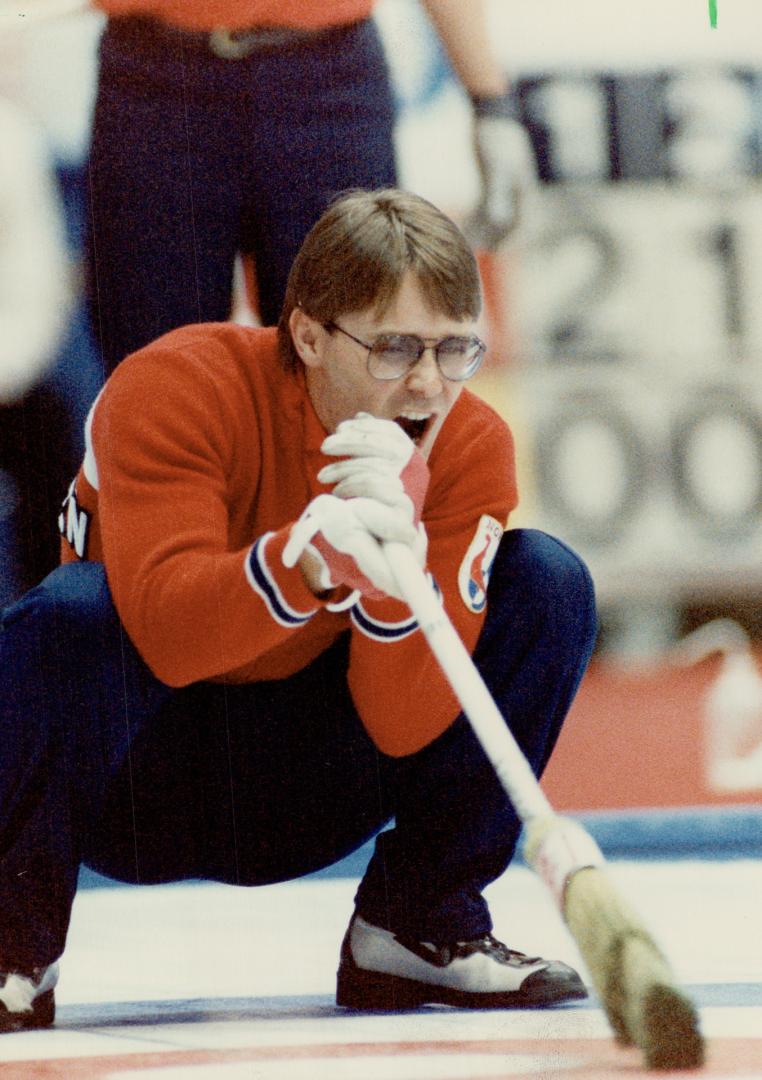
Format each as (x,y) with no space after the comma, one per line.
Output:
(314,571)
(500,106)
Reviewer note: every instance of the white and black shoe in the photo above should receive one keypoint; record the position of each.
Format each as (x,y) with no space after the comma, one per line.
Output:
(28,1000)
(382,970)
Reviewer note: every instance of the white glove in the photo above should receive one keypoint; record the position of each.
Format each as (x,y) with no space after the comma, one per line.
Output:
(508,171)
(344,536)
(380,462)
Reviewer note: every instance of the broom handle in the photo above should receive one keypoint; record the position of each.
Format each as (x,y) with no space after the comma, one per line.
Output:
(490,728)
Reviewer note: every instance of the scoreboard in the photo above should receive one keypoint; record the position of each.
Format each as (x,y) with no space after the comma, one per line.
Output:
(693,125)
(638,304)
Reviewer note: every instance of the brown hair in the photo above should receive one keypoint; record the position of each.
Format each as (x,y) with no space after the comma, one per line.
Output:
(356,255)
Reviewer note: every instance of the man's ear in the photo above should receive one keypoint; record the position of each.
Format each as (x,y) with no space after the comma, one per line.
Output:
(308,336)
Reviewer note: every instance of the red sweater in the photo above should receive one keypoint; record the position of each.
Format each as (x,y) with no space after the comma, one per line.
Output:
(201,453)
(243,14)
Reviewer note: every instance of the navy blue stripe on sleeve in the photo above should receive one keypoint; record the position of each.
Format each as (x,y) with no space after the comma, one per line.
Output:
(262,581)
(385,631)
(381,631)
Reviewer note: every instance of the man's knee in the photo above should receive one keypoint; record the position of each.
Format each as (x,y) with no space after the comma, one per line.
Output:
(540,571)
(545,560)
(71,597)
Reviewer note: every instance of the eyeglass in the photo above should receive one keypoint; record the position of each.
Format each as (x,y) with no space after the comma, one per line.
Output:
(390,356)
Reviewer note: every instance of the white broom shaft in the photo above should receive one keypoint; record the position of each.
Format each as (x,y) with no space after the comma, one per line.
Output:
(496,739)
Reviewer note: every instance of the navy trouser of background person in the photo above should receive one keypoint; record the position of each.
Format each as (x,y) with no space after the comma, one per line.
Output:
(264,782)
(195,158)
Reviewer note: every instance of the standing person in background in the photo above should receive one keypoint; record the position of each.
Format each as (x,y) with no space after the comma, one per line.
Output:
(227,127)
(35,304)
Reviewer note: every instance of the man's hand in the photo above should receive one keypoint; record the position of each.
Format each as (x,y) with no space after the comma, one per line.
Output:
(507,167)
(342,538)
(380,462)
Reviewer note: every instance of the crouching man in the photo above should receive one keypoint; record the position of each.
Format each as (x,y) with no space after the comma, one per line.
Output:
(221,681)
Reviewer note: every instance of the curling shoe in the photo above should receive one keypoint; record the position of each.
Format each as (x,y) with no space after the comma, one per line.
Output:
(27,1000)
(381,970)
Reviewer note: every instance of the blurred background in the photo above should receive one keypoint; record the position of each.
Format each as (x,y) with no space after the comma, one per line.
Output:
(624,319)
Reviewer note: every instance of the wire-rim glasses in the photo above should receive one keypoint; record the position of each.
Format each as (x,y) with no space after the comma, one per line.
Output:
(390,356)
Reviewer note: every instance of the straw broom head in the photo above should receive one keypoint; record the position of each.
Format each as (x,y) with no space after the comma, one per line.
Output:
(629,972)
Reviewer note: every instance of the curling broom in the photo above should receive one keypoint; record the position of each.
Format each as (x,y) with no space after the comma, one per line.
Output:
(629,972)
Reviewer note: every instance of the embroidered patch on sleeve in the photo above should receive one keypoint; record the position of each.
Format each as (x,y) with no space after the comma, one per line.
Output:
(74,522)
(473,576)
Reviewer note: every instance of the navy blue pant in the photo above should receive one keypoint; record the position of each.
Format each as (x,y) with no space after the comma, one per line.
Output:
(253,784)
(194,158)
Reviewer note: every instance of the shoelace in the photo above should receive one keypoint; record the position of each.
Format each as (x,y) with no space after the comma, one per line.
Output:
(490,945)
(442,955)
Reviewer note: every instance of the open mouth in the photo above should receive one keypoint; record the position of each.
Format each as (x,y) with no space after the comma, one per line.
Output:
(415,427)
